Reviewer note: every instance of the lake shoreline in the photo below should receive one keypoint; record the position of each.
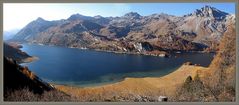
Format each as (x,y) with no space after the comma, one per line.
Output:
(139,86)
(163,53)
(30,59)
(108,78)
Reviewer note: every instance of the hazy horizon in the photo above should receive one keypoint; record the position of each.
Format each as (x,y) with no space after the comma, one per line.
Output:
(32,11)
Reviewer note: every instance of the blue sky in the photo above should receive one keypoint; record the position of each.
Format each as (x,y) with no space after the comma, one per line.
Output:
(17,15)
(179,9)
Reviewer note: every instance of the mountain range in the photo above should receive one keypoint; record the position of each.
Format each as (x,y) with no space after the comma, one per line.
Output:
(152,34)
(201,30)
(9,34)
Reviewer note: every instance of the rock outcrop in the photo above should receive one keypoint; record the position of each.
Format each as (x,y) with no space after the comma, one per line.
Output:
(197,31)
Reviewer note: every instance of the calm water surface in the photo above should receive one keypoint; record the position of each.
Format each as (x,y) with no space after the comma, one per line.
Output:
(78,67)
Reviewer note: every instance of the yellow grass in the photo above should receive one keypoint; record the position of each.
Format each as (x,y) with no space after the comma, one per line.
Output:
(165,85)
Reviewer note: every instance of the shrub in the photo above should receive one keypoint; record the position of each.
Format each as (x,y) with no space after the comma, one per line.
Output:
(191,90)
(26,95)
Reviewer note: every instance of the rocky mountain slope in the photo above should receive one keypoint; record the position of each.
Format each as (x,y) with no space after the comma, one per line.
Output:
(12,51)
(21,84)
(9,34)
(189,83)
(222,77)
(17,77)
(218,82)
(132,32)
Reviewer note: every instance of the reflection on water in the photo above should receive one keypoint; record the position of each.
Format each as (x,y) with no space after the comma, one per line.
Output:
(87,67)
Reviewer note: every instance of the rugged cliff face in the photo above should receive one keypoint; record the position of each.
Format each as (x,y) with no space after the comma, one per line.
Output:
(196,31)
